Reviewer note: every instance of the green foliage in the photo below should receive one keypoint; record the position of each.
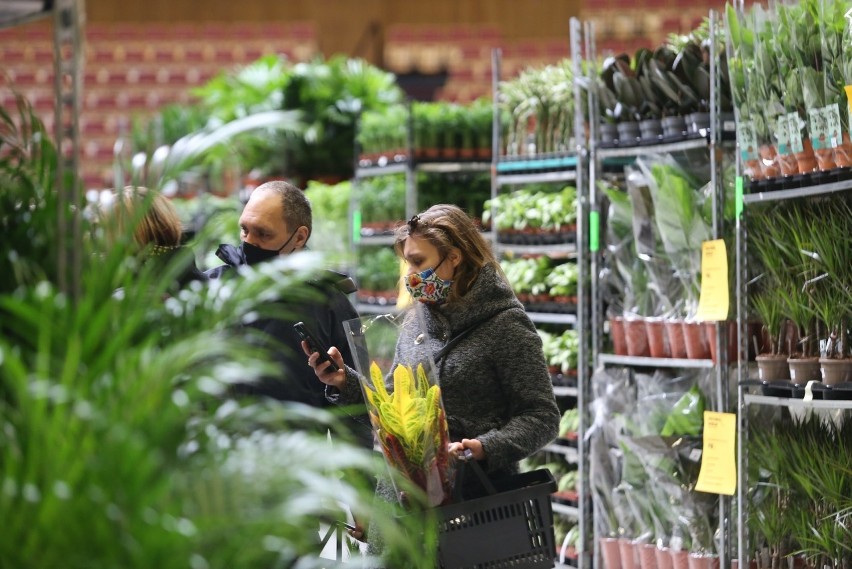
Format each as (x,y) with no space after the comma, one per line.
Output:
(537,206)
(541,99)
(799,498)
(331,233)
(467,190)
(326,97)
(384,130)
(29,248)
(382,198)
(378,269)
(119,443)
(561,350)
(687,416)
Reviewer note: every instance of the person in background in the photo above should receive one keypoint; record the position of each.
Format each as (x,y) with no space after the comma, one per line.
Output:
(277,220)
(496,389)
(156,229)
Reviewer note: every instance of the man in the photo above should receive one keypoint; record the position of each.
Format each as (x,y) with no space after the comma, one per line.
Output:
(277,220)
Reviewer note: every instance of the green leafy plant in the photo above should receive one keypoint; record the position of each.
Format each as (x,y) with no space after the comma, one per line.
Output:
(116,423)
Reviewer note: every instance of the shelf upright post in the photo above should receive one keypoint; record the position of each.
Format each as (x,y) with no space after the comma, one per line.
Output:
(583,391)
(742,331)
(410,167)
(719,230)
(496,142)
(68,21)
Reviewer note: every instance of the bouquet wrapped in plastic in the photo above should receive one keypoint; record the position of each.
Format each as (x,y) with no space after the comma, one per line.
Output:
(405,407)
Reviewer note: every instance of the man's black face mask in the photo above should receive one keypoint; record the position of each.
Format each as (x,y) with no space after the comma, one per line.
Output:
(252,254)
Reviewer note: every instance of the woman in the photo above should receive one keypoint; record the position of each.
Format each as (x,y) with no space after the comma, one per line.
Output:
(152,221)
(496,388)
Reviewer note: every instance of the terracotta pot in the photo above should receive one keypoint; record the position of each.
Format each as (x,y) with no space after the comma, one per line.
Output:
(658,342)
(697,347)
(677,343)
(769,161)
(752,169)
(843,153)
(618,335)
(825,159)
(611,554)
(806,158)
(648,556)
(772,367)
(836,371)
(680,559)
(637,338)
(629,554)
(788,164)
(664,558)
(803,370)
(733,341)
(698,561)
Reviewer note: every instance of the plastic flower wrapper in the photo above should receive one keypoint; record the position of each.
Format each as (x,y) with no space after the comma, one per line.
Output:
(405,406)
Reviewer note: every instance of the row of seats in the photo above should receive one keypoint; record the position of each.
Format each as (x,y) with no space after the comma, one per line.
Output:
(132,70)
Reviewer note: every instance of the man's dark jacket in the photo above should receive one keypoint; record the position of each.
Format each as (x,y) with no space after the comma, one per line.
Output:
(323,309)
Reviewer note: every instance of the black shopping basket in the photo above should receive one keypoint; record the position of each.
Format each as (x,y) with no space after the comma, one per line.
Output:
(510,527)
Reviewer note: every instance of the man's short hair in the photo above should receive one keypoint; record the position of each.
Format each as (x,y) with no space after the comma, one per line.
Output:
(295,206)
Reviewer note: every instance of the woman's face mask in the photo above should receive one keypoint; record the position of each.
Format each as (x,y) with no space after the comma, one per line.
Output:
(427,287)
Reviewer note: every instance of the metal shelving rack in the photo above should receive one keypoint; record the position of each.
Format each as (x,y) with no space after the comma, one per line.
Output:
(570,167)
(749,203)
(410,167)
(711,144)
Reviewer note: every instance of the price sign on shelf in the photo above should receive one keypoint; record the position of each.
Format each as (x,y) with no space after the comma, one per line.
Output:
(718,474)
(714,299)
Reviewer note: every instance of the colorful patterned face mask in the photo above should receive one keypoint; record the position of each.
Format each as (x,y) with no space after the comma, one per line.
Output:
(427,287)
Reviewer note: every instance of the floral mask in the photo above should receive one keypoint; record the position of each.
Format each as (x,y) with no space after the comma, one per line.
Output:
(427,287)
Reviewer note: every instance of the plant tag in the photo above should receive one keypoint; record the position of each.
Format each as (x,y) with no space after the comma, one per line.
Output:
(718,474)
(794,128)
(760,373)
(695,454)
(747,140)
(792,373)
(833,125)
(818,129)
(782,135)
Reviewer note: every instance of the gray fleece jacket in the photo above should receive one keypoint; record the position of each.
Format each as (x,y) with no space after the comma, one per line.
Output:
(494,382)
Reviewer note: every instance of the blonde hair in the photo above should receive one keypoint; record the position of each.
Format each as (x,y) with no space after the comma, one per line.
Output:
(152,217)
(446,226)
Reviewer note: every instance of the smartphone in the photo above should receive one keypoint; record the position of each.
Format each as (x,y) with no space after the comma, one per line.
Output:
(315,345)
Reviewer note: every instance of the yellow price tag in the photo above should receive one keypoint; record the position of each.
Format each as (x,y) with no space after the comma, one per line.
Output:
(718,474)
(714,299)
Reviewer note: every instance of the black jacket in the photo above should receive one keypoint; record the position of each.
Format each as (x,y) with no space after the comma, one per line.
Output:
(323,308)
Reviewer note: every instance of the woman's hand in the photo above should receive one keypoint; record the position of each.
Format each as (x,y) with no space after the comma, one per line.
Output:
(333,378)
(474,445)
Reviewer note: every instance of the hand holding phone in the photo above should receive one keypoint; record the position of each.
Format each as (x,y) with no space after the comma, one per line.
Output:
(315,346)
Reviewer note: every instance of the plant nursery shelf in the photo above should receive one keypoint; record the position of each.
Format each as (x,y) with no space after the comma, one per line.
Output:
(552,318)
(535,178)
(561,391)
(450,167)
(365,308)
(570,453)
(398,168)
(637,361)
(795,403)
(679,146)
(777,195)
(564,510)
(377,240)
(535,164)
(565,250)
